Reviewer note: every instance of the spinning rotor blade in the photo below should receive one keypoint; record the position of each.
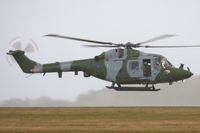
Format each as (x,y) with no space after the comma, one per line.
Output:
(156,39)
(29,48)
(17,45)
(79,39)
(178,46)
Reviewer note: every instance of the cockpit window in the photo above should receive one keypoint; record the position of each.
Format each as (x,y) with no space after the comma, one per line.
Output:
(165,63)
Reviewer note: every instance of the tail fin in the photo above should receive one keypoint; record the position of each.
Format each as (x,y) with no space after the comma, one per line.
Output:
(27,65)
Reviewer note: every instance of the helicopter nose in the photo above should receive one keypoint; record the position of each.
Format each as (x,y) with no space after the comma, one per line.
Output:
(191,74)
(188,74)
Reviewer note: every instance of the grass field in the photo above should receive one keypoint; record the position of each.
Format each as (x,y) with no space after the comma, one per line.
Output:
(100,120)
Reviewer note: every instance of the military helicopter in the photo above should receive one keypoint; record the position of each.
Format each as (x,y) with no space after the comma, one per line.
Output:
(121,65)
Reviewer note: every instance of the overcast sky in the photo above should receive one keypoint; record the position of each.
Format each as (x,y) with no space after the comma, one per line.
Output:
(106,20)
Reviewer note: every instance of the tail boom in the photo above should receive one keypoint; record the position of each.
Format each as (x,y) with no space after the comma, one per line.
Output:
(29,66)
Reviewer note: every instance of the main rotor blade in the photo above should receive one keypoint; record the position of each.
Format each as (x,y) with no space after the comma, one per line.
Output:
(156,39)
(107,46)
(178,46)
(80,39)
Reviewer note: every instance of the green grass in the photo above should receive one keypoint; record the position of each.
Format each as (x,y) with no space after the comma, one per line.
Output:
(100,120)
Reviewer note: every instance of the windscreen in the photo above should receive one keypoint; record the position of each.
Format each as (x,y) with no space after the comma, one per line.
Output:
(165,63)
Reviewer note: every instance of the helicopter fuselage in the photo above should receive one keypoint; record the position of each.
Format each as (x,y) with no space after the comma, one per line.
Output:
(121,66)
(129,66)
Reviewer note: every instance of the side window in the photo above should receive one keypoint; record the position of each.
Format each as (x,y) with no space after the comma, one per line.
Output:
(134,66)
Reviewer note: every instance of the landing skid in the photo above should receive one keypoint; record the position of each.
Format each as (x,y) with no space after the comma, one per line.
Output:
(132,88)
(119,88)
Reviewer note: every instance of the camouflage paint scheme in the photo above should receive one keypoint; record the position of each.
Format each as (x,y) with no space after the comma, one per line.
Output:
(122,66)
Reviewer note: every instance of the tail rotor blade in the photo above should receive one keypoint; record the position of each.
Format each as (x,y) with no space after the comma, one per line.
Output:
(29,48)
(17,45)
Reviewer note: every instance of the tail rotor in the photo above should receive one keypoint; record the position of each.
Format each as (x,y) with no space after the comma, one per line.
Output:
(16,44)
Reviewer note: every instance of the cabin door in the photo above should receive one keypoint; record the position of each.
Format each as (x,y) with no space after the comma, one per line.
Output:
(147,68)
